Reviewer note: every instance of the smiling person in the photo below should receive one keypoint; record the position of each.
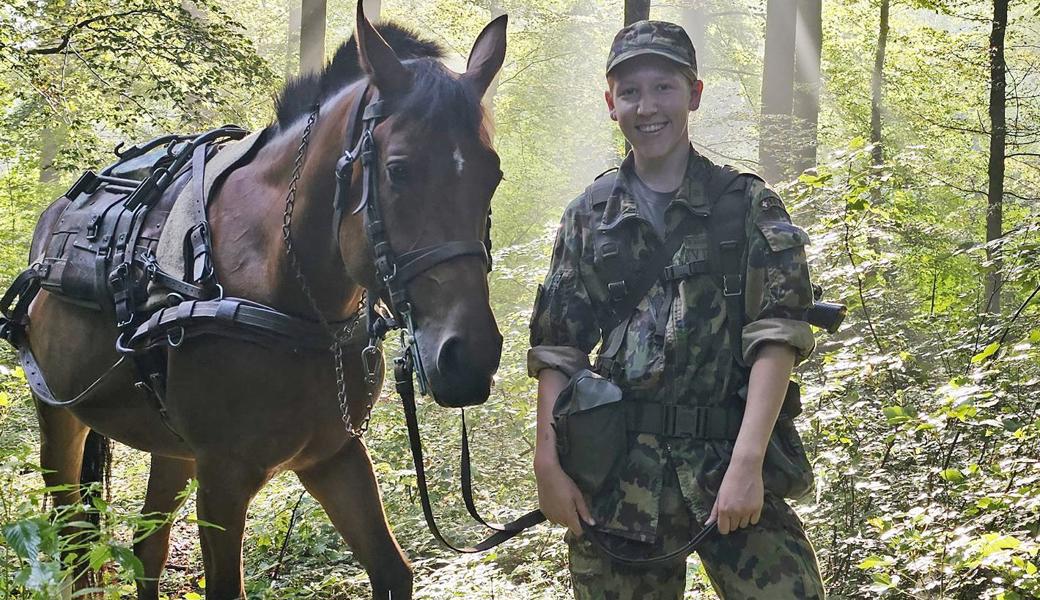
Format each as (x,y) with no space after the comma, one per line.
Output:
(693,282)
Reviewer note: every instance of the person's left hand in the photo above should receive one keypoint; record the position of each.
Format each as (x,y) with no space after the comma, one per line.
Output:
(740,499)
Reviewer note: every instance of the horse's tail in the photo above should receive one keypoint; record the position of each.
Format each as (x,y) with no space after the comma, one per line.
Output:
(97,468)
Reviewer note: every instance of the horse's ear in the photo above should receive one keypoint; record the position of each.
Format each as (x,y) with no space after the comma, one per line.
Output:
(487,55)
(378,59)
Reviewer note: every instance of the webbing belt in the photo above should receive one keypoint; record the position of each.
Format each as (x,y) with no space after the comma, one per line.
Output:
(695,422)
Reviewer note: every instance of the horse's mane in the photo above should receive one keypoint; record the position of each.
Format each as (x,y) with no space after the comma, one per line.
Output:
(300,93)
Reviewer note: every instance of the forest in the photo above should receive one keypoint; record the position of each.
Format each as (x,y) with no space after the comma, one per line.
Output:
(903,135)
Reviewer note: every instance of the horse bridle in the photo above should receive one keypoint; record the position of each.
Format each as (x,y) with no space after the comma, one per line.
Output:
(394,271)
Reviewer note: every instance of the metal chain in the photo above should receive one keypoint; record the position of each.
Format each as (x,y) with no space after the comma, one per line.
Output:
(345,333)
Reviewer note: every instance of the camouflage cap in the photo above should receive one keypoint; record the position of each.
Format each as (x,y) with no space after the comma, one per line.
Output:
(654,37)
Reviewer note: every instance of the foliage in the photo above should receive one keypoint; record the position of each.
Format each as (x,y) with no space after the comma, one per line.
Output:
(921,413)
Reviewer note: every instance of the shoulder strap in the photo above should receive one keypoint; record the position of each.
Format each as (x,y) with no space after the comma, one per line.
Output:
(598,192)
(728,240)
(638,284)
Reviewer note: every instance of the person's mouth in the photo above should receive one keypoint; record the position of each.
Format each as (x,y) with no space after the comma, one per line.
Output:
(650,127)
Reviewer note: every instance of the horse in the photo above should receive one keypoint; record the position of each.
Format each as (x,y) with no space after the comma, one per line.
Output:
(236,412)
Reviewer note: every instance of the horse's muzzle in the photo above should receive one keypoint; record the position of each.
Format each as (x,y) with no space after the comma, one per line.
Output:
(462,373)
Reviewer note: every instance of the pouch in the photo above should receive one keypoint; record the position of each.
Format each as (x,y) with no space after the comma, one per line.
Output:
(787,471)
(591,429)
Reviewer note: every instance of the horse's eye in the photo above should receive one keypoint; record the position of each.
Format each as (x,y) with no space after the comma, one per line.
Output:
(397,173)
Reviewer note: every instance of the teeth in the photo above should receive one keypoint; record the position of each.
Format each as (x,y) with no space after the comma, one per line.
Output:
(651,128)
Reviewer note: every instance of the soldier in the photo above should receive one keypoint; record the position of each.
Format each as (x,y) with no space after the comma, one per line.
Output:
(703,340)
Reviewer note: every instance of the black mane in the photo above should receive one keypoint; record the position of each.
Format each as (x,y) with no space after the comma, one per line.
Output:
(300,93)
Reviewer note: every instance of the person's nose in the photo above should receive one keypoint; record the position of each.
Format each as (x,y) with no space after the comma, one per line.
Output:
(647,106)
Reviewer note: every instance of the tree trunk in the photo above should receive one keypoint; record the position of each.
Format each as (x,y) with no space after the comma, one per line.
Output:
(292,40)
(877,82)
(312,36)
(806,109)
(997,140)
(636,10)
(774,151)
(372,9)
(695,22)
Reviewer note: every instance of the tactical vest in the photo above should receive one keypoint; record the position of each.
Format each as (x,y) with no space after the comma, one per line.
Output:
(627,280)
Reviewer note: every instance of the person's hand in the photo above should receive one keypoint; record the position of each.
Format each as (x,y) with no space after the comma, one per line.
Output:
(560,499)
(740,499)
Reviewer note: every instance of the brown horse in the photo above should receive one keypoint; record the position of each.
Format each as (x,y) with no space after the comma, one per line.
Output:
(239,412)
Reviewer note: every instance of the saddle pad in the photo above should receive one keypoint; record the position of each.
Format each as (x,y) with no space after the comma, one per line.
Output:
(170,251)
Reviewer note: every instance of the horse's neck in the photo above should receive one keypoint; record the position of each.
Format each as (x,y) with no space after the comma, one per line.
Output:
(258,205)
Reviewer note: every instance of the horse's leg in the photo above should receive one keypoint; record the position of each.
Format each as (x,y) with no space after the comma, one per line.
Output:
(166,479)
(225,488)
(62,436)
(345,485)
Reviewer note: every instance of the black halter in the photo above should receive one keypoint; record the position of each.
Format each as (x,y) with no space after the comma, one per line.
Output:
(395,271)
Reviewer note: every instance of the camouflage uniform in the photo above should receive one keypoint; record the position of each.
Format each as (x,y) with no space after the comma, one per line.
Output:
(677,349)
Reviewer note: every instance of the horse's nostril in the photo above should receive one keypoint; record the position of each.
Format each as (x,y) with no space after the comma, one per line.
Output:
(450,356)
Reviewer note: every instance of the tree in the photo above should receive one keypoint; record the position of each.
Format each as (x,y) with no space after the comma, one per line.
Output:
(777,89)
(997,148)
(806,102)
(312,36)
(636,10)
(877,82)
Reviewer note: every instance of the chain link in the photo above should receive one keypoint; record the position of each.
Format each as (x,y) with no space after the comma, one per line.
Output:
(347,331)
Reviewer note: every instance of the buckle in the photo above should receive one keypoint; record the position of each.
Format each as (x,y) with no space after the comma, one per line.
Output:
(618,290)
(92,226)
(729,287)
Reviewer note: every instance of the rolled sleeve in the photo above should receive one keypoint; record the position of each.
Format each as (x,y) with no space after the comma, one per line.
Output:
(563,323)
(796,334)
(778,287)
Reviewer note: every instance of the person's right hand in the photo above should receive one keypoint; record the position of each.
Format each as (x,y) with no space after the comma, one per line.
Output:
(560,499)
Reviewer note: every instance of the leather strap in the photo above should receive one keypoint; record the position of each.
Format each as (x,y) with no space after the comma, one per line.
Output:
(406,389)
(415,262)
(596,539)
(42,392)
(228,317)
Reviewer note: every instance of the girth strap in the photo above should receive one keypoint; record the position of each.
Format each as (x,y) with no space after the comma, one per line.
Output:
(695,422)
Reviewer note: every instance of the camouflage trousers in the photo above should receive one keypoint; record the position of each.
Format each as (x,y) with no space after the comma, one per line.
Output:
(772,560)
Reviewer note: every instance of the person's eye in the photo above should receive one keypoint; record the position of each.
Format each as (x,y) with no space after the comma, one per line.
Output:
(626,92)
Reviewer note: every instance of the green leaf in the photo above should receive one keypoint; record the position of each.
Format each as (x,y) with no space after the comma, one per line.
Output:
(952,475)
(127,561)
(987,352)
(98,556)
(24,538)
(895,415)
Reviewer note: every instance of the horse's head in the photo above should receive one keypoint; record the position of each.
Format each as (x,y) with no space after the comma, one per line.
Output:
(433,173)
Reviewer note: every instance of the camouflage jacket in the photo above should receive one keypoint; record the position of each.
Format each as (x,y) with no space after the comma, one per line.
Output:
(677,348)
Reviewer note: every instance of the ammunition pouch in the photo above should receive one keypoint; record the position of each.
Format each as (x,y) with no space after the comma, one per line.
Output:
(591,431)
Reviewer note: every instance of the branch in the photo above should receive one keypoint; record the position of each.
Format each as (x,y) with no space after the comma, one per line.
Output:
(86,23)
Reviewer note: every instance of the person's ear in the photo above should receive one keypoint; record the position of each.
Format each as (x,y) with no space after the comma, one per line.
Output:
(696,90)
(610,104)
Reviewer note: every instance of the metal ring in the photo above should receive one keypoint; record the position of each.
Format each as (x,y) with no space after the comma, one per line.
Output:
(180,338)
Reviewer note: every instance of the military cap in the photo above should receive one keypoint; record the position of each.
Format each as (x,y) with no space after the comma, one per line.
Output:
(654,37)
